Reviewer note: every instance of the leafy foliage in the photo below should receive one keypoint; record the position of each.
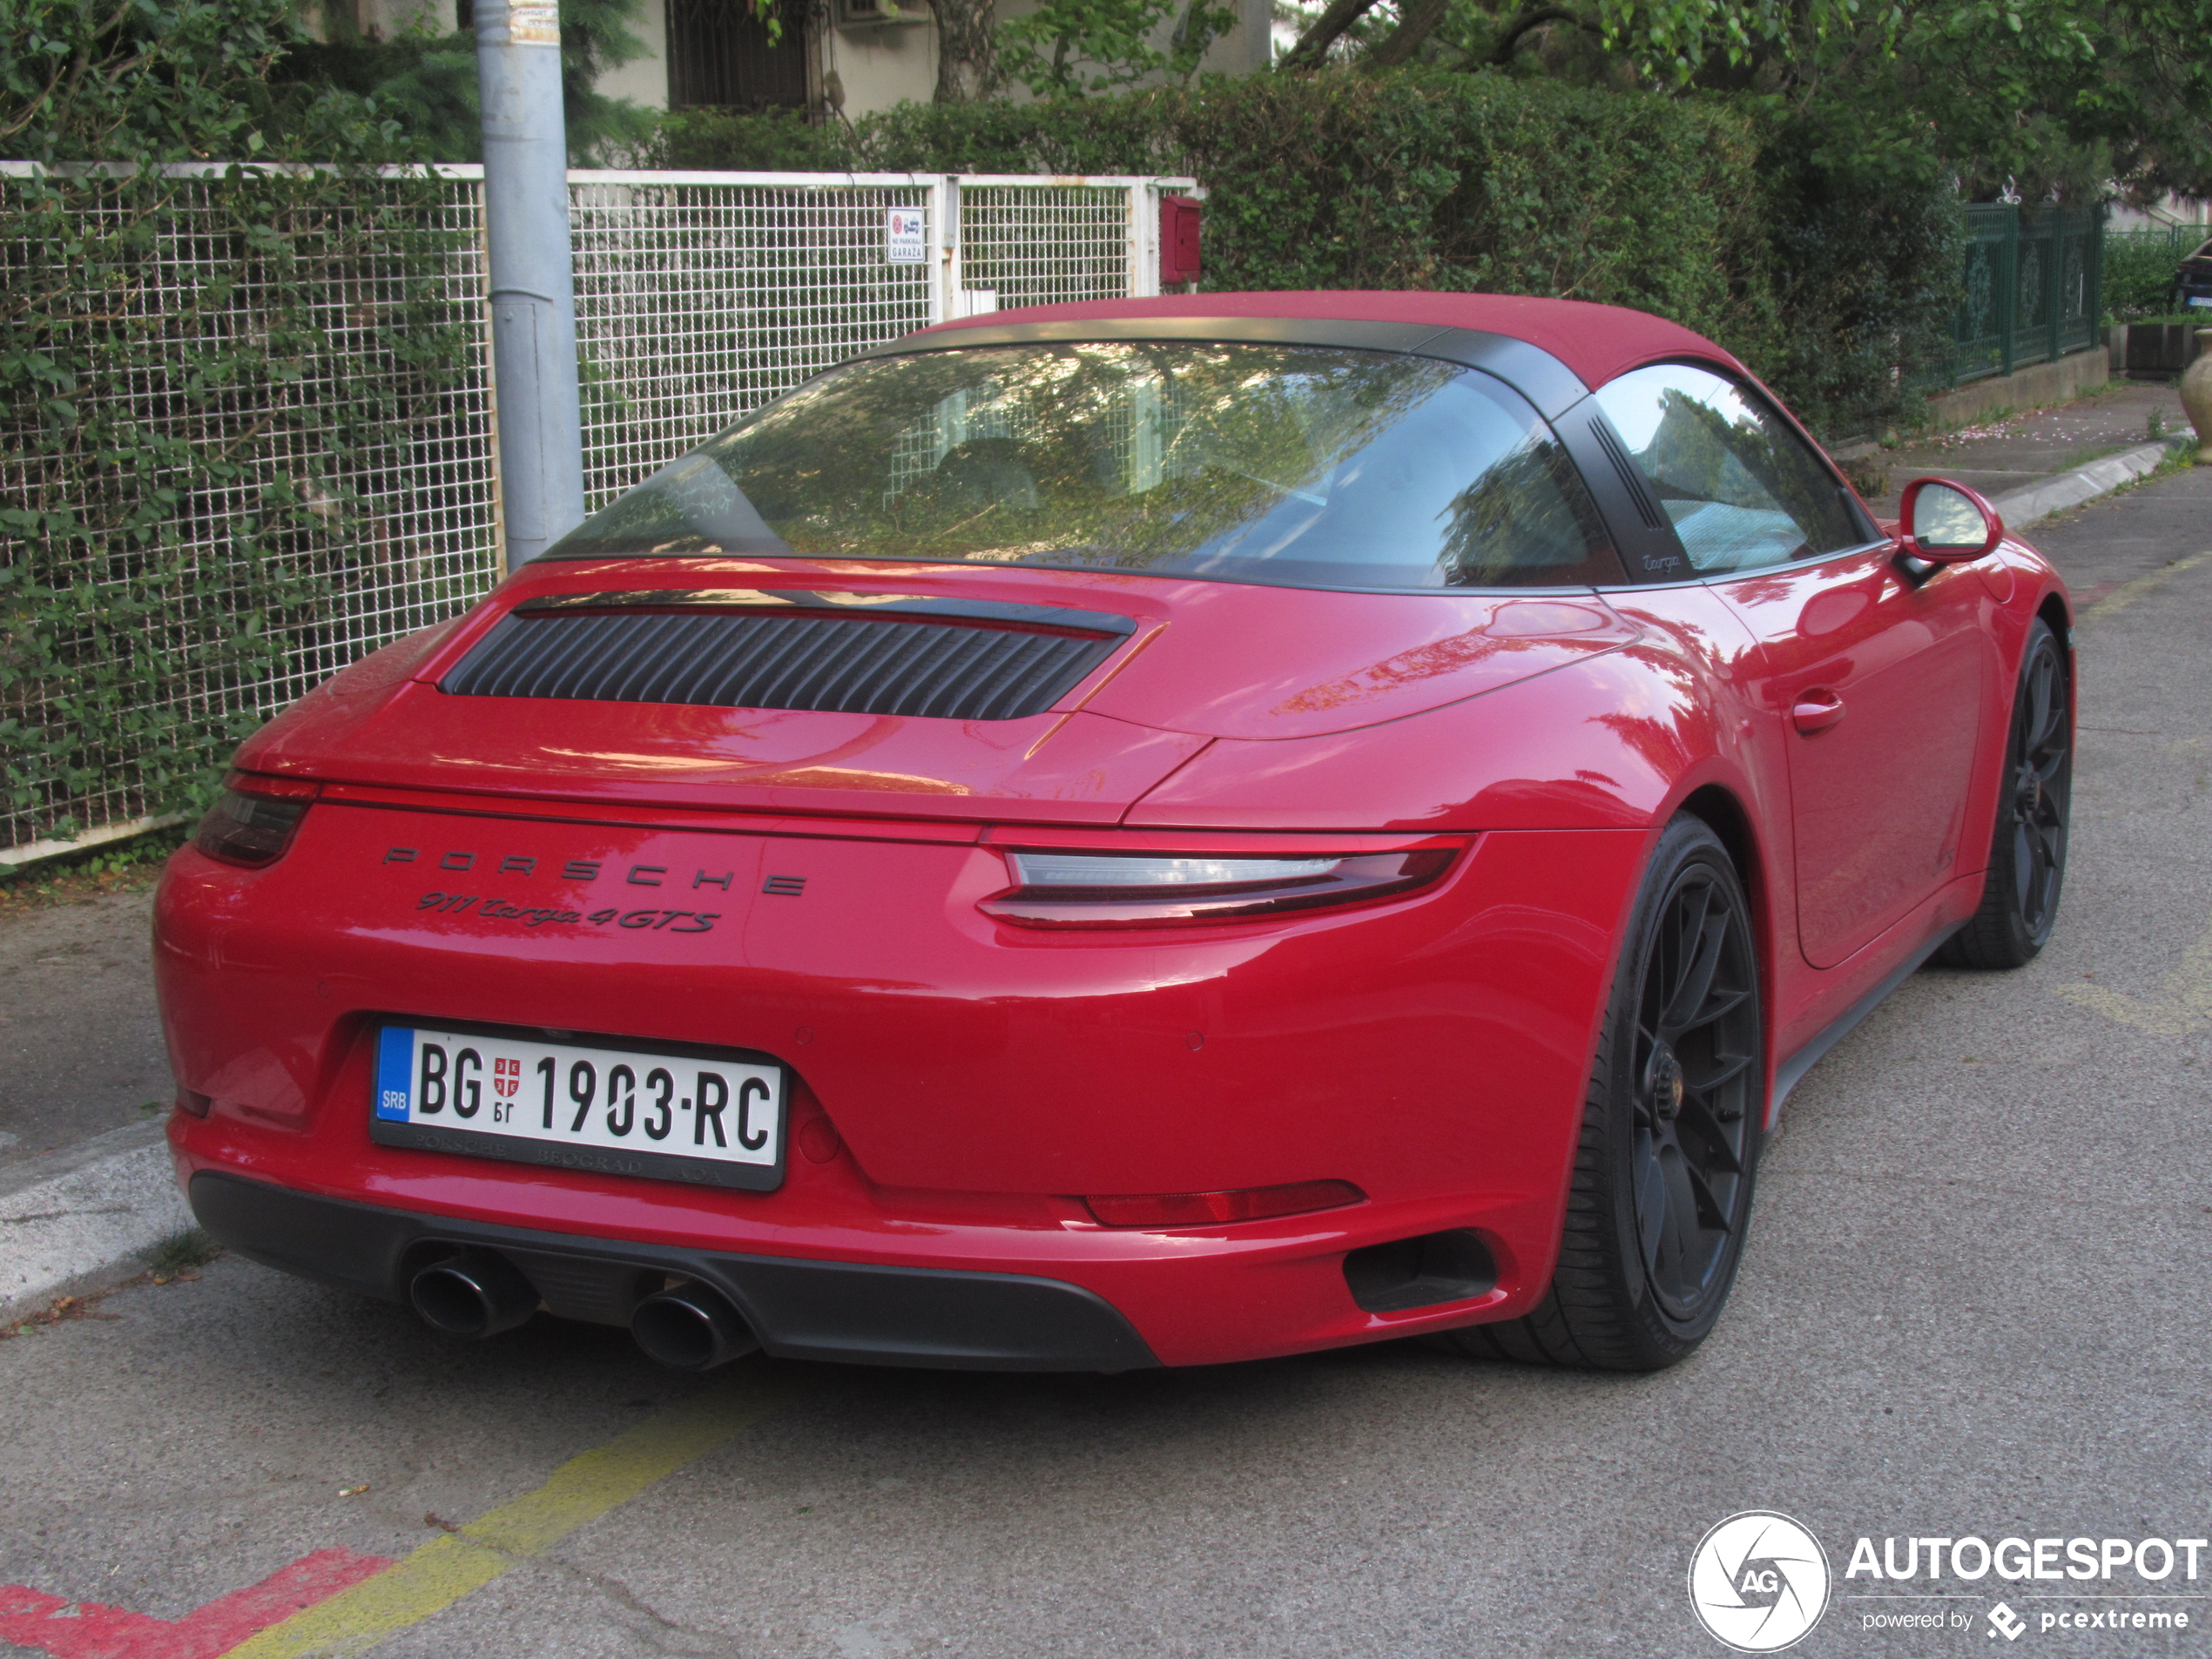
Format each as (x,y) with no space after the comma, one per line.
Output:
(192,371)
(426,82)
(2139,269)
(2045,96)
(771,141)
(1828,273)
(1068,47)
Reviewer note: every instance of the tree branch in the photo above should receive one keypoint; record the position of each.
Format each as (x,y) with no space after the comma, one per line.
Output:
(1313,45)
(1415,25)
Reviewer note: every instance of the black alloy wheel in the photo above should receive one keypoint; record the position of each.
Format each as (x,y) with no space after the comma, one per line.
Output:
(2019,900)
(1696,1035)
(1661,1190)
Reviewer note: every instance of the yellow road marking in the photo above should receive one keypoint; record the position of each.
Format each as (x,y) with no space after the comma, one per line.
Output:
(584,1488)
(2128,592)
(2182,1006)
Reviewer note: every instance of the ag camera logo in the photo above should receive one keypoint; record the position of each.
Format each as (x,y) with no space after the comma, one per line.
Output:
(1758,1581)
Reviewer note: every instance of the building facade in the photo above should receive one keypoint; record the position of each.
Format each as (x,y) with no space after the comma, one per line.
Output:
(848,56)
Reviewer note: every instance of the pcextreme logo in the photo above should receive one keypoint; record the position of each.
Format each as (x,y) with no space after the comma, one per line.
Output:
(1759,1582)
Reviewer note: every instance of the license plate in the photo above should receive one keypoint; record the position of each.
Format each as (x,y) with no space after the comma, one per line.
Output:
(2201,298)
(673,1113)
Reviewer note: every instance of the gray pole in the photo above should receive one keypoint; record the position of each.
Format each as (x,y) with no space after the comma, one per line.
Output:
(533,277)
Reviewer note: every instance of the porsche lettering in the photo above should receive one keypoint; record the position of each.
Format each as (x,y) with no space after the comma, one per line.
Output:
(636,875)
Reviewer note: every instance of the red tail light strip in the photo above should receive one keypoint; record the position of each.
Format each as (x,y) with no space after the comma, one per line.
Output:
(1213,1208)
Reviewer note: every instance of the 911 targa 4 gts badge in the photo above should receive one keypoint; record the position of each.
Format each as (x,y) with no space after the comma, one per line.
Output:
(677,921)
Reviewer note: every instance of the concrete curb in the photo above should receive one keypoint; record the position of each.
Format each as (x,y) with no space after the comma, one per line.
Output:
(84,1218)
(2064,490)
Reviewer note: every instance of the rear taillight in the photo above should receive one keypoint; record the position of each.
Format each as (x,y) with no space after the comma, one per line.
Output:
(1116,890)
(255,820)
(1212,1209)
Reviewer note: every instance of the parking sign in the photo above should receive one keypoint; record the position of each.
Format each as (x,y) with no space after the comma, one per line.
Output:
(904,240)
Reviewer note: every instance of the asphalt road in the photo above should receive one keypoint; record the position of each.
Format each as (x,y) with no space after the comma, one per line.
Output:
(80,1044)
(1973,1306)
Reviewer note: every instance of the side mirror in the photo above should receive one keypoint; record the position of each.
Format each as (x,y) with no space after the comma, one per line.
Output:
(1941,522)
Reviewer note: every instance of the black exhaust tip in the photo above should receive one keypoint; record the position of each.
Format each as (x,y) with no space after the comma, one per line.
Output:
(474,1294)
(690,1328)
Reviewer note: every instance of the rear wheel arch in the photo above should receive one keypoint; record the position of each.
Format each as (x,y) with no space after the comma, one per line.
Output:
(2056,614)
(1725,815)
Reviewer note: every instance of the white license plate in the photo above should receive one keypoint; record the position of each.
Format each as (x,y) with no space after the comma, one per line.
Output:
(671,1114)
(2201,298)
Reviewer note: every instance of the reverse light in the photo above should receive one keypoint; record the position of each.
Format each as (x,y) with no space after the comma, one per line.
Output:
(1117,890)
(1212,1209)
(254,820)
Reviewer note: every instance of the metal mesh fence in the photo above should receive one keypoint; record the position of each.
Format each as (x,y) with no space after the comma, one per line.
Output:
(332,501)
(696,302)
(699,297)
(1043,243)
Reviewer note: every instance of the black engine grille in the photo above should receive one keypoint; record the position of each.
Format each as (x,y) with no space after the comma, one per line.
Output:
(878,664)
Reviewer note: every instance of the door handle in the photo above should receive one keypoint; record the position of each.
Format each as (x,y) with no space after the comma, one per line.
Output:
(1816,711)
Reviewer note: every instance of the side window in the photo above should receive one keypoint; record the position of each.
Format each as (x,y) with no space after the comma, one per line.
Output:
(1741,488)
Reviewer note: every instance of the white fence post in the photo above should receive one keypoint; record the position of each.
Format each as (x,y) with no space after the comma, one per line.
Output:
(1143,238)
(944,238)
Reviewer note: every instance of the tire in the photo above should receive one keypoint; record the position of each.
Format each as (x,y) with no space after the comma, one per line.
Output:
(2019,900)
(1671,1132)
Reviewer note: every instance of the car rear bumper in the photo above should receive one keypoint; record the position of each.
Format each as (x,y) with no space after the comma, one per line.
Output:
(902,1279)
(799,1310)
(958,1086)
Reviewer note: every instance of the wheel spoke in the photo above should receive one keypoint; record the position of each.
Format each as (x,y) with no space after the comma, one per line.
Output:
(1712,1215)
(1728,1067)
(1689,929)
(2039,703)
(1682,1007)
(1651,1205)
(1681,1215)
(1722,1003)
(1700,1121)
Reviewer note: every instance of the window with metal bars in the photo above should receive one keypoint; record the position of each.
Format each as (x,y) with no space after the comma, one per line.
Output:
(719,57)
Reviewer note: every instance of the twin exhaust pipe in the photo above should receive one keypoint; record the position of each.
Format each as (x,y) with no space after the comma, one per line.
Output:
(479,1293)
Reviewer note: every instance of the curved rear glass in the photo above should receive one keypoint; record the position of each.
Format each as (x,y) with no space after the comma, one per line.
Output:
(1306,466)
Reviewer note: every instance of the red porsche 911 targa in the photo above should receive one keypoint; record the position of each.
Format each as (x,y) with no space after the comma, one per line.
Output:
(1138,834)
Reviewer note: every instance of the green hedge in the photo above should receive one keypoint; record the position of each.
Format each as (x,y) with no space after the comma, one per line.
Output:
(2139,269)
(1727,219)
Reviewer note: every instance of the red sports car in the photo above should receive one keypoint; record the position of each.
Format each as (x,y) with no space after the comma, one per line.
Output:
(1142,834)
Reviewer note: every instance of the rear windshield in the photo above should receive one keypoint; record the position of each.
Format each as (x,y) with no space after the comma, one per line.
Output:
(1300,465)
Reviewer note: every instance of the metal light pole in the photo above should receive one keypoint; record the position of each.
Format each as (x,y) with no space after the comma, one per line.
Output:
(533,277)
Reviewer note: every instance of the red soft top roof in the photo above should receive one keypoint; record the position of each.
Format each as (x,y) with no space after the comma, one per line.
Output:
(1597,342)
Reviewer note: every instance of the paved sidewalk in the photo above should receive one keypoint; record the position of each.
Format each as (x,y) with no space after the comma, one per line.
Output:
(80,1047)
(1997,457)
